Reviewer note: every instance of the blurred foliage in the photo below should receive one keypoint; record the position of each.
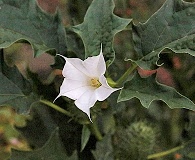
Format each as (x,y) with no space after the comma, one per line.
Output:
(9,136)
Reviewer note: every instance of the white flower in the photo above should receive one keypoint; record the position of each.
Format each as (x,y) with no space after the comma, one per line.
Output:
(84,81)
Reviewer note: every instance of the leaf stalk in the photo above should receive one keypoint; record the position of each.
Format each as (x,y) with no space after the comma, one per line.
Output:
(165,153)
(124,77)
(56,107)
(95,131)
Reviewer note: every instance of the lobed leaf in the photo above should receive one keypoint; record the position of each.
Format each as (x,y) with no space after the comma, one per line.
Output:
(24,20)
(172,26)
(99,26)
(52,150)
(15,90)
(147,90)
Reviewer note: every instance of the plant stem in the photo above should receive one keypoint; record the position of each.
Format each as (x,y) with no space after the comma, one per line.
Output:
(92,126)
(56,107)
(165,153)
(124,77)
(95,131)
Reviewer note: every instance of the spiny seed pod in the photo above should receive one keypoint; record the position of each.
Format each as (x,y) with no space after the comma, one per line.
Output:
(135,142)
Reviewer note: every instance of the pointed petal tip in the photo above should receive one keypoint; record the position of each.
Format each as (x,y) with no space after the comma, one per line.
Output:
(101,47)
(85,110)
(61,56)
(89,118)
(56,98)
(88,114)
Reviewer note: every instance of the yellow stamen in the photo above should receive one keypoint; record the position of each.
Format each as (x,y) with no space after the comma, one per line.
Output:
(95,83)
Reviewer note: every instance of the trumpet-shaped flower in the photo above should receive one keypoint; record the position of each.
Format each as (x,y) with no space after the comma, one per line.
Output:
(84,81)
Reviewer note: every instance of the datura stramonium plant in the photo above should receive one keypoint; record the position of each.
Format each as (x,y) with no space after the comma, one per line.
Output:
(84,81)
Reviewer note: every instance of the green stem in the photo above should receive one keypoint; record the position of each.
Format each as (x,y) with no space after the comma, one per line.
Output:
(124,77)
(165,153)
(95,131)
(56,107)
(92,126)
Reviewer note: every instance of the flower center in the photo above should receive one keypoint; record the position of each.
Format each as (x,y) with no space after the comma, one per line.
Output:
(95,83)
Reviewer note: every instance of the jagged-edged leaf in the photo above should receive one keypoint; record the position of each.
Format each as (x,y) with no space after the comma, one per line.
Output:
(172,26)
(15,90)
(99,26)
(38,129)
(24,20)
(147,90)
(104,149)
(52,150)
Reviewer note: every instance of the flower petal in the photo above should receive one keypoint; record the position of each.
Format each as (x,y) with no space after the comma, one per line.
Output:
(73,88)
(104,91)
(74,69)
(95,65)
(86,101)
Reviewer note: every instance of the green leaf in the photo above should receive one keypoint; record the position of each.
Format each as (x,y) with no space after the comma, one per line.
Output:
(24,20)
(107,121)
(99,26)
(172,26)
(85,137)
(38,130)
(15,90)
(52,150)
(147,90)
(104,149)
